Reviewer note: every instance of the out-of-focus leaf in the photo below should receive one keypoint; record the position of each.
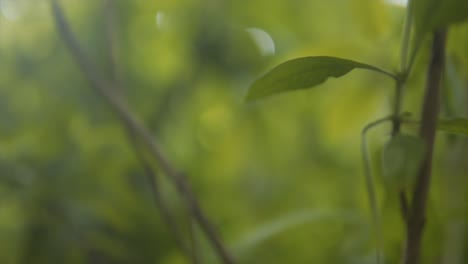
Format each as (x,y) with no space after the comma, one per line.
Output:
(430,15)
(282,224)
(401,159)
(457,126)
(302,73)
(454,126)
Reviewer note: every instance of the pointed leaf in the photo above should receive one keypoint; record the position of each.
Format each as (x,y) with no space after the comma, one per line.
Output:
(401,159)
(454,126)
(302,73)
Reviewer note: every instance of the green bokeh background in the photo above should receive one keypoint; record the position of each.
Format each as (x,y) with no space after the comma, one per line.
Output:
(281,178)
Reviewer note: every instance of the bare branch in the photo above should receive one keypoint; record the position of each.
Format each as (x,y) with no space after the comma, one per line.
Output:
(109,11)
(134,126)
(159,201)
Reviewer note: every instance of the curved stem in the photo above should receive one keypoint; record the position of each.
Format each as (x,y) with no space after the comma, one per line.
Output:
(371,188)
(393,76)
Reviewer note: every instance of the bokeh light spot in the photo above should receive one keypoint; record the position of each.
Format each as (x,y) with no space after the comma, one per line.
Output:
(161,20)
(264,41)
(402,3)
(10,9)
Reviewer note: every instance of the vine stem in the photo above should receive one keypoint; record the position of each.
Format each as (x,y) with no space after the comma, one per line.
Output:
(404,69)
(405,40)
(399,87)
(371,187)
(134,126)
(430,110)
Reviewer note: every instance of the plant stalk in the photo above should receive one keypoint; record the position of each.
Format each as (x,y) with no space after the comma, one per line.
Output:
(404,69)
(430,110)
(405,40)
(376,219)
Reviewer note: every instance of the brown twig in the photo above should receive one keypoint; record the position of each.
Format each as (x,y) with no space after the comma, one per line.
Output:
(161,205)
(417,215)
(151,176)
(193,241)
(134,126)
(159,201)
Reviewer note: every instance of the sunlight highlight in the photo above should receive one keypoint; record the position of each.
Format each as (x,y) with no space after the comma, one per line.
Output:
(161,20)
(401,3)
(264,42)
(10,9)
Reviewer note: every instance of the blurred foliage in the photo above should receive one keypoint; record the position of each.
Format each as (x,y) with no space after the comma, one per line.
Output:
(281,178)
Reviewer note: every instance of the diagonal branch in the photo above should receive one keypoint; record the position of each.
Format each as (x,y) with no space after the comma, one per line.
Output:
(159,201)
(151,176)
(134,126)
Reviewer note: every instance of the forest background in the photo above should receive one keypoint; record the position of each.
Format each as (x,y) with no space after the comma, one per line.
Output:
(281,178)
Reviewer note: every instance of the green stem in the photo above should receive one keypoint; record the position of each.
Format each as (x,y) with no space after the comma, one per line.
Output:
(371,188)
(404,69)
(430,110)
(399,86)
(415,49)
(405,40)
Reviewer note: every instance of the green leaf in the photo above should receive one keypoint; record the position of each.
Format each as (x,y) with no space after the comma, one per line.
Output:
(401,159)
(302,73)
(454,126)
(287,222)
(430,15)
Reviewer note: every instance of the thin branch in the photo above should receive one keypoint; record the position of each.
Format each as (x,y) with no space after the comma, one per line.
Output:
(193,241)
(430,111)
(393,76)
(405,40)
(159,201)
(400,85)
(377,222)
(134,126)
(399,90)
(151,176)
(400,82)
